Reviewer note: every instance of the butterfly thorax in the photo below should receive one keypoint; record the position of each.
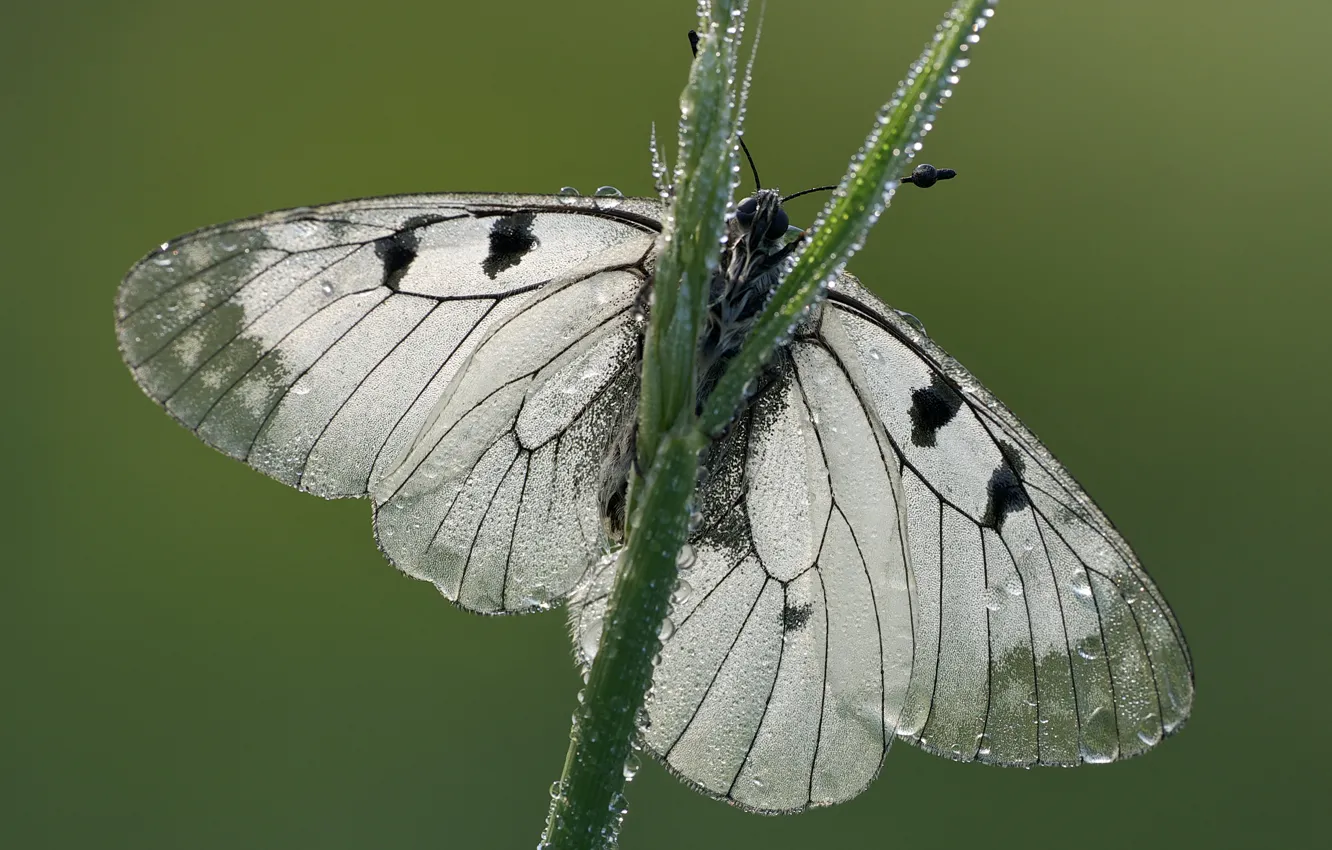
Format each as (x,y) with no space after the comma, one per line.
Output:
(741,285)
(743,282)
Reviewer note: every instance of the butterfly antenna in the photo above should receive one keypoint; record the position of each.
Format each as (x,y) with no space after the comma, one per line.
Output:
(923,176)
(926,175)
(752,167)
(808,191)
(758,184)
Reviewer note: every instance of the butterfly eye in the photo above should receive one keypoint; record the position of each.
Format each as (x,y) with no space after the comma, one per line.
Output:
(744,213)
(780,222)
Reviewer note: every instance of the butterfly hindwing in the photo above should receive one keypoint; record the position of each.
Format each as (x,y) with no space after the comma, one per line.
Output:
(498,501)
(791,653)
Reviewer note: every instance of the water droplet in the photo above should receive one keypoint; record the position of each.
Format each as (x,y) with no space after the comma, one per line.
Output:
(1080,584)
(683,590)
(912,320)
(631,766)
(1176,702)
(983,744)
(685,560)
(300,388)
(556,788)
(608,197)
(667,629)
(568,194)
(326,288)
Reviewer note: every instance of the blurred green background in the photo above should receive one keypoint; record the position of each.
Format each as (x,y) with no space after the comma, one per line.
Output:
(1135,259)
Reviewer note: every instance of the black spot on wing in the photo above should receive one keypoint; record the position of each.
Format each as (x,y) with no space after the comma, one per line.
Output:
(511,238)
(1012,456)
(418,221)
(396,252)
(794,617)
(932,408)
(1004,493)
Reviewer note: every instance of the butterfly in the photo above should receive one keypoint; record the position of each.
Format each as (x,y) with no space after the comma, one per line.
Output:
(881,549)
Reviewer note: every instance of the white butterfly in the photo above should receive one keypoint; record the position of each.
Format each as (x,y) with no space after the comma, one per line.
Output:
(884,550)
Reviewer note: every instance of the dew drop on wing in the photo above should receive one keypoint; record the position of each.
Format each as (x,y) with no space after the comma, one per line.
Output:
(567,194)
(696,516)
(683,590)
(1080,584)
(686,558)
(608,197)
(914,321)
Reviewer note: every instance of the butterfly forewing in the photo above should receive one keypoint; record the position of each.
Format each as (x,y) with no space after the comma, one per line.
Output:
(1039,637)
(320,345)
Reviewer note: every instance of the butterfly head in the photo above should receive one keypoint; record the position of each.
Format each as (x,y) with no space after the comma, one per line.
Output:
(760,217)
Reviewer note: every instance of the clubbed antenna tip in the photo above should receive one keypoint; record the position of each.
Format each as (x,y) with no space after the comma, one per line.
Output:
(926,175)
